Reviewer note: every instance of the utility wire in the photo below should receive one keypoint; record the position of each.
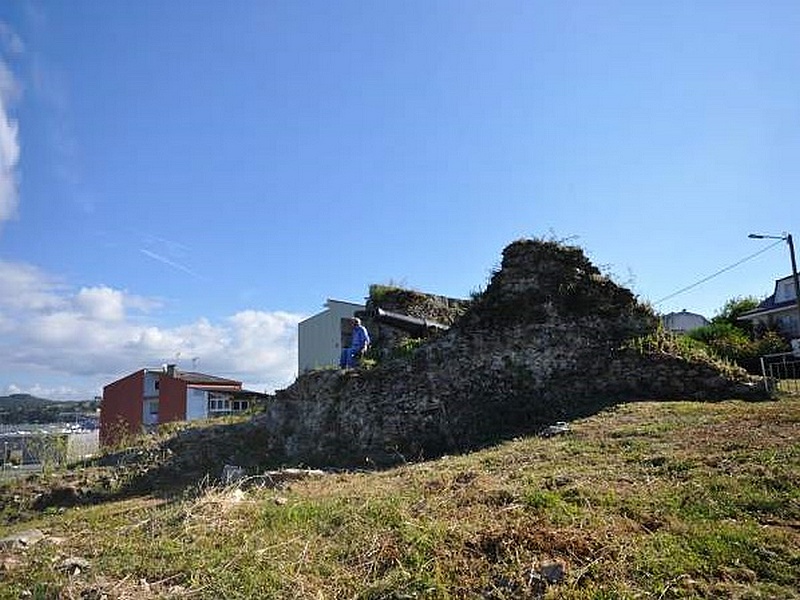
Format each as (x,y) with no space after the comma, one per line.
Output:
(720,272)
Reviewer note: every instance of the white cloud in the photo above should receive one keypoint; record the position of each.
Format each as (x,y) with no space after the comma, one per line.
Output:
(101,303)
(261,341)
(9,87)
(9,143)
(9,157)
(98,334)
(25,286)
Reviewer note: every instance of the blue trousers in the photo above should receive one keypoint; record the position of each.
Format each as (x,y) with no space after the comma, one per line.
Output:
(348,358)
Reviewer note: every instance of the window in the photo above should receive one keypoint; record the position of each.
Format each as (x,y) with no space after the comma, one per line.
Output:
(219,403)
(150,412)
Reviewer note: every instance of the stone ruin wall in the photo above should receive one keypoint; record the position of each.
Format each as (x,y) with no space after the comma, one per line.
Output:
(545,342)
(385,338)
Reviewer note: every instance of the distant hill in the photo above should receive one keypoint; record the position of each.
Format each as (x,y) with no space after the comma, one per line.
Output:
(24,408)
(22,400)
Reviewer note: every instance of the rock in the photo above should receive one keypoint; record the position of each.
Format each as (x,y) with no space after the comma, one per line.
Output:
(560,428)
(231,474)
(553,571)
(284,476)
(73,565)
(23,539)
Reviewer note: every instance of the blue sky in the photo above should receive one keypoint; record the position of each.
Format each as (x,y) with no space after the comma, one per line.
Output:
(187,179)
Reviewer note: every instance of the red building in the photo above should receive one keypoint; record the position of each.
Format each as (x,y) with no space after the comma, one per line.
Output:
(148,397)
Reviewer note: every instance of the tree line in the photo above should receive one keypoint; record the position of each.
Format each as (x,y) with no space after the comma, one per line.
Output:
(24,408)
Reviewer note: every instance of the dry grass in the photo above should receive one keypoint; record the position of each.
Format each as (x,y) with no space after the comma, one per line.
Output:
(649,500)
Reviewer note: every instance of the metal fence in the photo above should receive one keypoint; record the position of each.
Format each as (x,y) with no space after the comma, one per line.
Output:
(781,372)
(23,451)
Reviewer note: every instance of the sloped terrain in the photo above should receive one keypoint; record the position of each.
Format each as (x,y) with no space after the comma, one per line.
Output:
(644,500)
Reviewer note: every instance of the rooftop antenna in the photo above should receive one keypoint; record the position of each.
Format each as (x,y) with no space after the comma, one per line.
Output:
(194,362)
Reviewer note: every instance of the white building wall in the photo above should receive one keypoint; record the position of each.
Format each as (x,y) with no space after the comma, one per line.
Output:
(196,404)
(681,322)
(319,338)
(150,380)
(785,318)
(150,398)
(784,290)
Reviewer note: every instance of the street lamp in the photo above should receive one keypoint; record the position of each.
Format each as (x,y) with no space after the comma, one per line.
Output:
(786,237)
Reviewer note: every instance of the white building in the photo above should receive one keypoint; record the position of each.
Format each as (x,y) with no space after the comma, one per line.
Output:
(320,338)
(684,321)
(779,311)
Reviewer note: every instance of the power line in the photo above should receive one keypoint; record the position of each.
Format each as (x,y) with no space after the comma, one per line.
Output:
(720,272)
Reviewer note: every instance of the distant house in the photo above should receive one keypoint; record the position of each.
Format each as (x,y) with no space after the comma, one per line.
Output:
(149,397)
(683,321)
(779,311)
(320,338)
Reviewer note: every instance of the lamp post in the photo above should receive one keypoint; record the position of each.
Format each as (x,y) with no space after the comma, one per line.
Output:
(786,237)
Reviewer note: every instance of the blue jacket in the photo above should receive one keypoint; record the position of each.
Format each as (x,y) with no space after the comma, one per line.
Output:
(360,339)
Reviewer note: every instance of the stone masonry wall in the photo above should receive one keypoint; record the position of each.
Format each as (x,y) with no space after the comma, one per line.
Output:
(386,339)
(545,342)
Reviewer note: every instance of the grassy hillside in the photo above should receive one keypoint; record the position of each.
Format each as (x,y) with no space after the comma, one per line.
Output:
(647,500)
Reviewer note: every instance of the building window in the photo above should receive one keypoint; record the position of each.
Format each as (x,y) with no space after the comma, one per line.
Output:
(219,404)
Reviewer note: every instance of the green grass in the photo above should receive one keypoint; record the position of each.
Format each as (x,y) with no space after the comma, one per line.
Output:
(648,500)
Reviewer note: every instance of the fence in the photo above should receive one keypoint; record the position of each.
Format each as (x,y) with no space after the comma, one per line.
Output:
(23,452)
(781,372)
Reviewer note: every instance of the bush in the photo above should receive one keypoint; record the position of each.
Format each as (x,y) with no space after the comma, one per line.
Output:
(771,342)
(725,339)
(732,343)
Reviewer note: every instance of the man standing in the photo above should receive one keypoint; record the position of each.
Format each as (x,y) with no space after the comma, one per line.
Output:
(359,343)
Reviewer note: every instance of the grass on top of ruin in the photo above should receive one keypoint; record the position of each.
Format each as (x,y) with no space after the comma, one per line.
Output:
(646,500)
